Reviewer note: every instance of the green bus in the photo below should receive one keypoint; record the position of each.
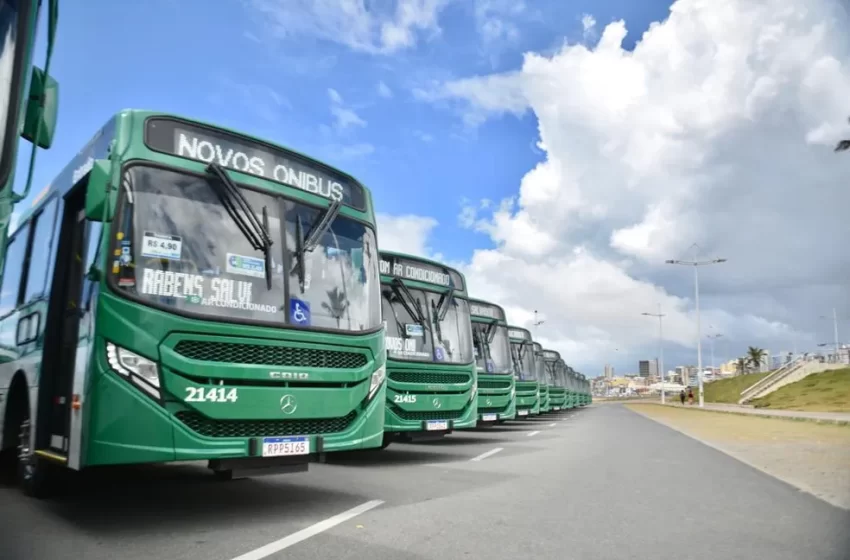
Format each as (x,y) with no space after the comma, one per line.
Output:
(585,398)
(525,372)
(550,359)
(496,384)
(558,397)
(571,387)
(185,292)
(431,377)
(29,100)
(542,378)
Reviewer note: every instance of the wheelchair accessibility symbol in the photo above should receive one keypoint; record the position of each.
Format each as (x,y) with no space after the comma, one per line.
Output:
(299,312)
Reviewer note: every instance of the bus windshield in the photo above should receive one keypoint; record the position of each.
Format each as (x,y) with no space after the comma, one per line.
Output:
(522,355)
(492,348)
(176,246)
(413,325)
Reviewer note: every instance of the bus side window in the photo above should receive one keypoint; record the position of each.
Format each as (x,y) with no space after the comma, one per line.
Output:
(13,271)
(40,253)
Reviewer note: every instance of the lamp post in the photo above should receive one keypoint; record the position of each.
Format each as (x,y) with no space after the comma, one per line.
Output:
(660,316)
(696,264)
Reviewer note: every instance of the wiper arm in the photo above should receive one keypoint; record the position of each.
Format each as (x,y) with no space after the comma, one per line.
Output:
(443,304)
(491,331)
(410,304)
(243,215)
(304,245)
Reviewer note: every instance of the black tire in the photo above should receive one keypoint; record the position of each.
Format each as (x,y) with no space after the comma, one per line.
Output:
(223,476)
(388,439)
(36,476)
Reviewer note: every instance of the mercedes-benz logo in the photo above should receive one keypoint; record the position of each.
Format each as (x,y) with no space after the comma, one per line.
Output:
(436,403)
(288,404)
(489,402)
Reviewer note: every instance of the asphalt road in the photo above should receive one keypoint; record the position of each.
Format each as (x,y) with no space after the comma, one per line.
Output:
(587,484)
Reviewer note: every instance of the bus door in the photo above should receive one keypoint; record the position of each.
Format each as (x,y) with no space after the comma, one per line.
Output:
(63,325)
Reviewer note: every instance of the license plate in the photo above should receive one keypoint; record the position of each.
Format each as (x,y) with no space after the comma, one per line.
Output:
(489,417)
(522,412)
(282,446)
(435,425)
(557,408)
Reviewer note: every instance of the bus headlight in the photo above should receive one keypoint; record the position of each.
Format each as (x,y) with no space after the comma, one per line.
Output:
(377,378)
(140,371)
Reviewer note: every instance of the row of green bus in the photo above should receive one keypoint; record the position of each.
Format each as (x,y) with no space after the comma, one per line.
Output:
(181,291)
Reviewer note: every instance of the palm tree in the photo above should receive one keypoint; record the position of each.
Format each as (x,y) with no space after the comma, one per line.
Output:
(843,145)
(742,366)
(756,356)
(336,305)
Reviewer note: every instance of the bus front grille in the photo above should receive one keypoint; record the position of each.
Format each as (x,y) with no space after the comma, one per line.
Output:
(429,378)
(210,427)
(269,355)
(494,384)
(426,414)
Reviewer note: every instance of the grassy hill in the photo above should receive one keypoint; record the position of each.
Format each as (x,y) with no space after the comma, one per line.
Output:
(821,392)
(729,390)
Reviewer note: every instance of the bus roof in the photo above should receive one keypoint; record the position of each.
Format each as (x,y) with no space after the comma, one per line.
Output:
(479,308)
(519,333)
(420,269)
(551,355)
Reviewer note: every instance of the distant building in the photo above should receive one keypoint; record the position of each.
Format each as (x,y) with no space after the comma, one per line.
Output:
(648,368)
(609,371)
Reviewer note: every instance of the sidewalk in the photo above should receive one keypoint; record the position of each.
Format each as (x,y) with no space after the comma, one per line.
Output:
(842,418)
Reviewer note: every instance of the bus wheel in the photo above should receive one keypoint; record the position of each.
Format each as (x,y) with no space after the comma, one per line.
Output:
(223,476)
(388,439)
(35,475)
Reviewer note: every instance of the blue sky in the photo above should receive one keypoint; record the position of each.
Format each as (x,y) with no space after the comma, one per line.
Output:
(224,65)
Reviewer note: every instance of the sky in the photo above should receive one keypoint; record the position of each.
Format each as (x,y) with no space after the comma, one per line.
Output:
(557,153)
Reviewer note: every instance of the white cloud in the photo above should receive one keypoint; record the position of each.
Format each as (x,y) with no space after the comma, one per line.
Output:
(717,129)
(344,116)
(405,234)
(588,25)
(371,27)
(384,90)
(496,19)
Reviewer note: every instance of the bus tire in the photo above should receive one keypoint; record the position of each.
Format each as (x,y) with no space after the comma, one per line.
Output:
(36,476)
(223,476)
(388,439)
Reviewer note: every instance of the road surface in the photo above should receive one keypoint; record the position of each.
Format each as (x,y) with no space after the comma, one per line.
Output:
(599,483)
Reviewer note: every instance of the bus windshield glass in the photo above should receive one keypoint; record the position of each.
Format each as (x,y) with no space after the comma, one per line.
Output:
(522,355)
(415,330)
(492,348)
(176,246)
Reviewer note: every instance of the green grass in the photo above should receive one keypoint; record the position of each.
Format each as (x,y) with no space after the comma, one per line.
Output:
(820,392)
(729,390)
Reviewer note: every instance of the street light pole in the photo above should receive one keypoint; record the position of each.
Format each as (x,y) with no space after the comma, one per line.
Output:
(835,329)
(696,264)
(660,316)
(536,322)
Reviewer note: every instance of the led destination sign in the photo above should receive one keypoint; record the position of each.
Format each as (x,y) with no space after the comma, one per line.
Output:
(485,310)
(240,154)
(551,355)
(519,333)
(408,269)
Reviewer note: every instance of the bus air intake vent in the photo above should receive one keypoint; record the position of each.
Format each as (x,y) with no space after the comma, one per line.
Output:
(268,355)
(427,414)
(210,427)
(482,384)
(428,378)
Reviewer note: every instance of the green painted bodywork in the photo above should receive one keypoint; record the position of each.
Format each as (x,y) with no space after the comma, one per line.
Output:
(122,424)
(454,402)
(497,390)
(527,392)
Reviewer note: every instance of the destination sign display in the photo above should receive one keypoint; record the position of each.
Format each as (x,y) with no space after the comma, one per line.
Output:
(241,154)
(409,269)
(519,334)
(478,309)
(551,355)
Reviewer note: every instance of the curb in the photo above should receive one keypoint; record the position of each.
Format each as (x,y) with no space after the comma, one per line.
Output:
(832,421)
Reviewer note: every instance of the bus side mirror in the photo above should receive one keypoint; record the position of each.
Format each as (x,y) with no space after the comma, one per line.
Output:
(97,191)
(43,87)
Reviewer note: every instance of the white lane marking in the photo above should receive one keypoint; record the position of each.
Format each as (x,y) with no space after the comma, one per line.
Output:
(534,433)
(488,454)
(306,533)
(553,424)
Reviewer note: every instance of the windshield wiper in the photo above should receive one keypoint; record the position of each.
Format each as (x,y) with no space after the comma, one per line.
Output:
(243,215)
(491,330)
(410,304)
(443,304)
(306,244)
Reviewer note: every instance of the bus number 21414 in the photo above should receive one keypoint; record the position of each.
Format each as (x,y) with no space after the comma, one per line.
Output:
(215,394)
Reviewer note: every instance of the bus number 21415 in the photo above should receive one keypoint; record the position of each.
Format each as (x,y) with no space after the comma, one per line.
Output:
(215,394)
